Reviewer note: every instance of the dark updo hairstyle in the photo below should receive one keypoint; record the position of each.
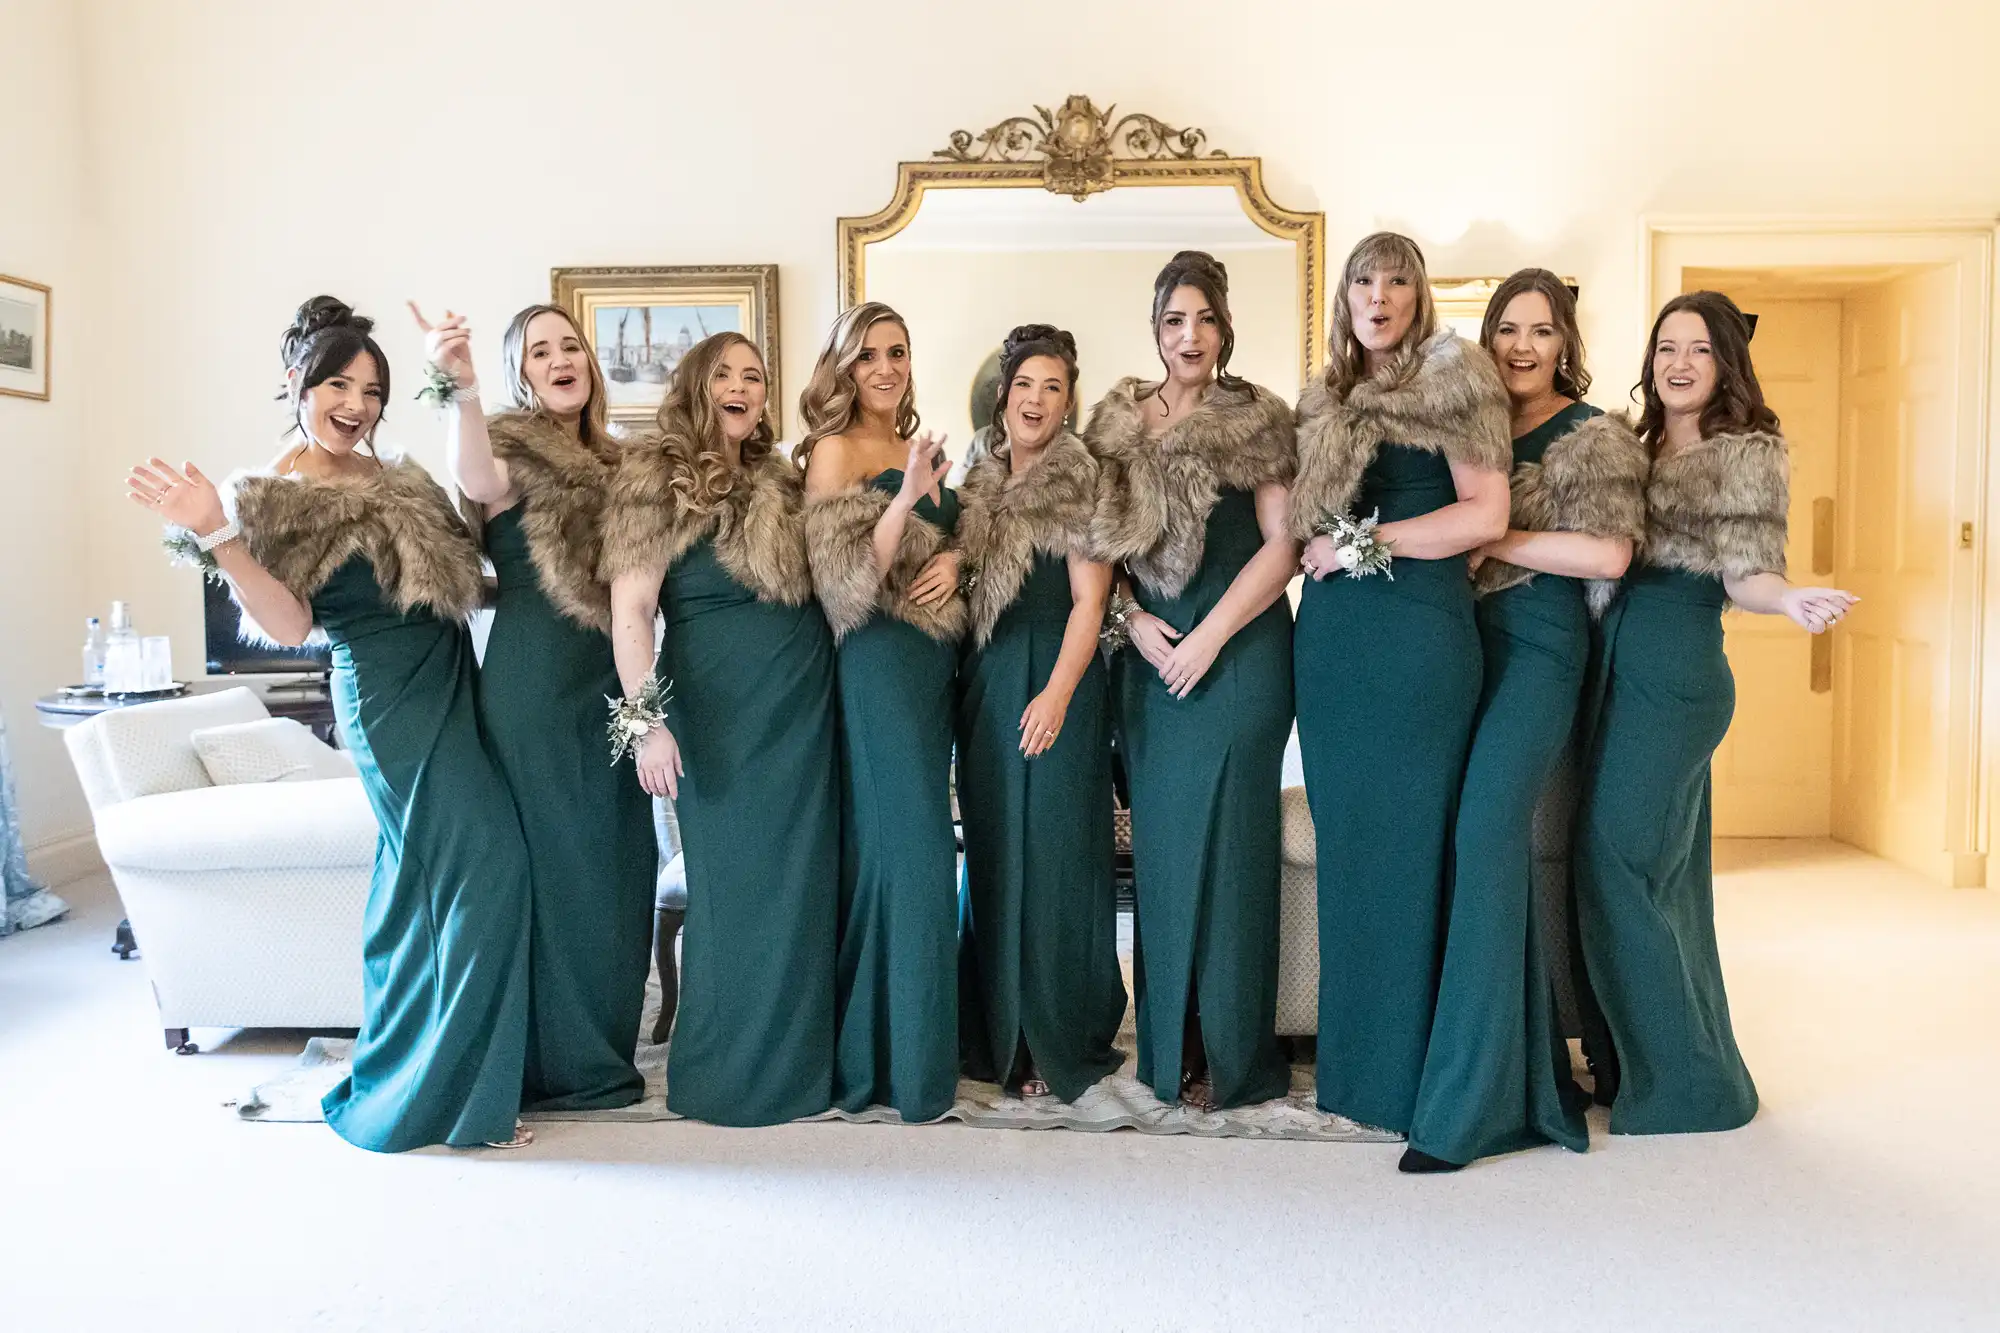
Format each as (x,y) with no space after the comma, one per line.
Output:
(323,340)
(1031,340)
(1572,380)
(1203,272)
(1738,402)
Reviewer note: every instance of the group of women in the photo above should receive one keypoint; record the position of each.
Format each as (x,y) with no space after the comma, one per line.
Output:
(832,629)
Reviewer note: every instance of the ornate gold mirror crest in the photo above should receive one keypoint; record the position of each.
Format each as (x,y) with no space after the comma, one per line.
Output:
(1079,150)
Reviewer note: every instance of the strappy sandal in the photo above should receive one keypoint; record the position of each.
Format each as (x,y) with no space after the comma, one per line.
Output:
(523,1136)
(1034,1086)
(1197,1093)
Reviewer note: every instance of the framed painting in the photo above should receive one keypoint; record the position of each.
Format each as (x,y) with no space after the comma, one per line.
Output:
(1461,302)
(24,338)
(640,322)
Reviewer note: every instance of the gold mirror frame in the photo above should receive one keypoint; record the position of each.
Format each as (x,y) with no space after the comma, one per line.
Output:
(1079,151)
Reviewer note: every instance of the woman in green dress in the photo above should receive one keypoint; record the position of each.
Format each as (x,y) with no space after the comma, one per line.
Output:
(1034,743)
(1659,702)
(703,524)
(1408,425)
(1496,1072)
(533,481)
(1194,469)
(879,520)
(334,542)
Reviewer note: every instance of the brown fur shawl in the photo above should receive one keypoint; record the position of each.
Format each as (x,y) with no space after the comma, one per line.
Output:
(758,529)
(1720,507)
(1448,401)
(1591,479)
(301,530)
(1005,521)
(1154,497)
(562,485)
(840,542)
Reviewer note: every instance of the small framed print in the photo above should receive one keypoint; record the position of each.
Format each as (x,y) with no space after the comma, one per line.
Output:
(641,321)
(24,338)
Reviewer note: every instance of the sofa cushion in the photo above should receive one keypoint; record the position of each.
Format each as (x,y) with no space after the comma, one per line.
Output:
(259,826)
(146,746)
(273,749)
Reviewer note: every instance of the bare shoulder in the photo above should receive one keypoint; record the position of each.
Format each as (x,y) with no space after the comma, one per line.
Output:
(834,465)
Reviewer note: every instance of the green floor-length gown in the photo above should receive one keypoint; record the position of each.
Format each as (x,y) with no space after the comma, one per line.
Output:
(445,948)
(589,830)
(1388,681)
(1496,1073)
(1660,700)
(1041,939)
(1204,773)
(897,977)
(759,824)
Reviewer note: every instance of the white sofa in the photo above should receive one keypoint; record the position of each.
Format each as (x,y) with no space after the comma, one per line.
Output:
(246,900)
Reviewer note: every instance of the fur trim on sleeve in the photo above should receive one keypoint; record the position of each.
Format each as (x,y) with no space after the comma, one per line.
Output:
(301,530)
(1720,507)
(758,528)
(840,543)
(1591,479)
(562,486)
(1005,521)
(1450,402)
(1155,496)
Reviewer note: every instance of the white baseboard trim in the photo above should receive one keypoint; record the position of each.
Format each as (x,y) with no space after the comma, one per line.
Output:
(62,860)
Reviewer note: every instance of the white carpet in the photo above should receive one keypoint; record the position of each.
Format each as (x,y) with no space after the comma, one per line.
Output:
(1865,1196)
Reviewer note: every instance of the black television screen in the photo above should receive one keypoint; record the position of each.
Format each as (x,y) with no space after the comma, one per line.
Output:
(229,655)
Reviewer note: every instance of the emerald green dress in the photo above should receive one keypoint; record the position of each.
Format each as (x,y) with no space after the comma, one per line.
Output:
(1389,675)
(897,974)
(1495,1077)
(759,825)
(1660,698)
(589,831)
(1204,773)
(1041,931)
(445,947)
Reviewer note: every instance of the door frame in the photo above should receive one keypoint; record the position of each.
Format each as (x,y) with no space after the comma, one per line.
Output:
(1671,245)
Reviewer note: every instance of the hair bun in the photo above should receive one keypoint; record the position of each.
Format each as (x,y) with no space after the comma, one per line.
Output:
(1024,334)
(317,315)
(1199,261)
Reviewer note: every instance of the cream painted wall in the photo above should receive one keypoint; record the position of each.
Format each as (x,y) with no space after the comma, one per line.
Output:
(42,455)
(961,305)
(245,155)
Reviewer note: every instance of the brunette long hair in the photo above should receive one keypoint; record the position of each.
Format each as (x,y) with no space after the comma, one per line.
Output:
(1572,380)
(831,402)
(1738,401)
(1209,276)
(691,425)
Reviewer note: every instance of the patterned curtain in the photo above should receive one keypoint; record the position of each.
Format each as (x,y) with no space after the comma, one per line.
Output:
(26,903)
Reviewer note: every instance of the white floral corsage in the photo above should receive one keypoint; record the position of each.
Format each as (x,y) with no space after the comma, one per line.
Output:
(441,388)
(1356,548)
(183,549)
(636,714)
(1117,631)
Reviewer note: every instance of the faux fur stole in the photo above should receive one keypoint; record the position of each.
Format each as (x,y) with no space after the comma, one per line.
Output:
(1719,508)
(1450,402)
(758,528)
(1154,497)
(562,484)
(301,530)
(840,542)
(1005,521)
(1591,479)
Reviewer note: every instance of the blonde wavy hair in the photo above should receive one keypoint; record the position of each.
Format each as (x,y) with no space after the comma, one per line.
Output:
(593,428)
(691,425)
(1382,252)
(830,403)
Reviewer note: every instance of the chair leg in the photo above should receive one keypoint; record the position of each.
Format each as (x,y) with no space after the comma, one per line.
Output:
(125,944)
(666,929)
(178,1043)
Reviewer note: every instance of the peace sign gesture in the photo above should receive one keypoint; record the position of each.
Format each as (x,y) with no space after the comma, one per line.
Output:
(448,345)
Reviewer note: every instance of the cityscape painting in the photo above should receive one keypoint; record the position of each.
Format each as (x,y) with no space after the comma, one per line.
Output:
(24,338)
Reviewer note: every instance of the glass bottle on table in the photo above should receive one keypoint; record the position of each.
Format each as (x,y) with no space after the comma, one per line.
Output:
(93,654)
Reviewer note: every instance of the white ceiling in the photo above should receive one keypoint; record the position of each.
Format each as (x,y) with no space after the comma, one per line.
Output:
(1207,217)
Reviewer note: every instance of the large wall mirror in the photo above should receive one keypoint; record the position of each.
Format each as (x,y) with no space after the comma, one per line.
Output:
(1065,217)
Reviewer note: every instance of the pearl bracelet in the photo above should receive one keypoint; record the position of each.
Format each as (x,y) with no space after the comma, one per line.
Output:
(228,532)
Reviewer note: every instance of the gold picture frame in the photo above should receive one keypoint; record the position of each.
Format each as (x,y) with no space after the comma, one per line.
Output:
(1461,302)
(639,320)
(26,316)
(1079,150)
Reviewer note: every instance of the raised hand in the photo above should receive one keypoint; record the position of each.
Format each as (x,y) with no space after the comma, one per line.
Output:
(925,467)
(448,345)
(185,497)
